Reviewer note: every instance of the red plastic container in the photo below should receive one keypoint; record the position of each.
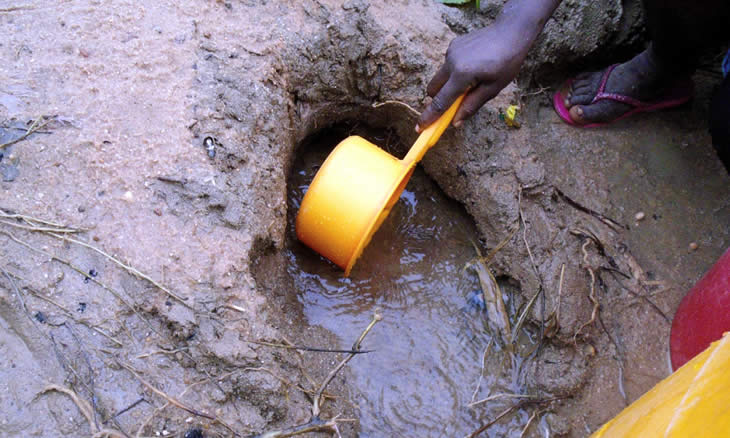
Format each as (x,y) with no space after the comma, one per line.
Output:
(703,315)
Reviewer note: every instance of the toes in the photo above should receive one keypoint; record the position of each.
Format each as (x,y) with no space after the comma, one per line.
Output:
(583,88)
(599,112)
(585,78)
(585,84)
(565,89)
(582,95)
(581,91)
(576,113)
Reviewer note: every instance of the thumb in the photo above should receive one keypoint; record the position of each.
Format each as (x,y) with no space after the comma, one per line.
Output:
(440,103)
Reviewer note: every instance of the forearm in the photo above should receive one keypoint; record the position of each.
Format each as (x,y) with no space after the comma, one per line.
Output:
(526,18)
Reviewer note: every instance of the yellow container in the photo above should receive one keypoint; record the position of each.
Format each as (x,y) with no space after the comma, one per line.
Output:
(354,190)
(694,401)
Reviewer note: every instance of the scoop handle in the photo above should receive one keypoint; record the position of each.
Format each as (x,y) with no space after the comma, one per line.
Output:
(431,135)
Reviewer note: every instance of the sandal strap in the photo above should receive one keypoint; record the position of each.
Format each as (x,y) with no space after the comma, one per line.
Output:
(602,95)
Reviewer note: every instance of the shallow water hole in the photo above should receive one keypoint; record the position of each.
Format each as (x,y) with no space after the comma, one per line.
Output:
(428,354)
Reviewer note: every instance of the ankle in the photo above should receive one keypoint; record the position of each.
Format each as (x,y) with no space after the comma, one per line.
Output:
(668,66)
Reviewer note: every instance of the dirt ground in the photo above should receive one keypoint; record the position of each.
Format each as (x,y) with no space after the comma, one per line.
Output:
(132,309)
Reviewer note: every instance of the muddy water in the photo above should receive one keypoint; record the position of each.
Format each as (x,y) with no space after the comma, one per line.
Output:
(429,346)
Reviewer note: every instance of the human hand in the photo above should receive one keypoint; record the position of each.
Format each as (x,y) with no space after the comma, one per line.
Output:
(483,62)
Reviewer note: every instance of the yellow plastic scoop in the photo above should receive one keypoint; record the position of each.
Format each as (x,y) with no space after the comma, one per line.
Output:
(355,189)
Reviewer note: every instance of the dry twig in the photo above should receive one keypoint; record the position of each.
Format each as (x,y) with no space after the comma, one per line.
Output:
(41,229)
(17,292)
(37,124)
(167,397)
(287,382)
(31,220)
(595,312)
(554,319)
(70,315)
(614,225)
(529,422)
(397,102)
(86,411)
(15,9)
(134,271)
(316,424)
(175,402)
(161,351)
(541,290)
(592,295)
(499,396)
(513,408)
(523,317)
(169,403)
(481,373)
(313,349)
(82,272)
(356,346)
(66,230)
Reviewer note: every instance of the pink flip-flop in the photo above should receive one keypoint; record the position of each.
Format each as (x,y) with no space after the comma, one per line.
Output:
(679,93)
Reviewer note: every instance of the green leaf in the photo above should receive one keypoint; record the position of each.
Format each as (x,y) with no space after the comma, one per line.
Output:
(454,2)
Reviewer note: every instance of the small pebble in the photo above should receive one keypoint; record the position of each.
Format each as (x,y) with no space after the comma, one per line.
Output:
(194,433)
(589,350)
(693,246)
(209,144)
(40,317)
(639,216)
(158,211)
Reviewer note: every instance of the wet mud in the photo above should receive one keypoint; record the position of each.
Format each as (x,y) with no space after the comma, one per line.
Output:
(173,129)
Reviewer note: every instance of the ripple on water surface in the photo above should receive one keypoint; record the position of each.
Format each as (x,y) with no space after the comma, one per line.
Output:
(429,345)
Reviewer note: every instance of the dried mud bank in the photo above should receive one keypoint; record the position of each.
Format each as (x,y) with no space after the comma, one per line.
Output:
(138,90)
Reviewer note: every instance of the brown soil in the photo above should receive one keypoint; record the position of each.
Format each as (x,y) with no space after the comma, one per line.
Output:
(132,92)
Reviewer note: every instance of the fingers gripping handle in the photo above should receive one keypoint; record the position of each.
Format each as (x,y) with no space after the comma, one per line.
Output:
(431,135)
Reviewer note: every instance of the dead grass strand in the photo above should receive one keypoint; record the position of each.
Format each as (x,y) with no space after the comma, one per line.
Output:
(134,271)
(63,261)
(85,409)
(481,373)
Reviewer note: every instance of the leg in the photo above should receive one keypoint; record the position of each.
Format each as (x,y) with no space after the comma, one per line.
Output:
(678,30)
(720,122)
